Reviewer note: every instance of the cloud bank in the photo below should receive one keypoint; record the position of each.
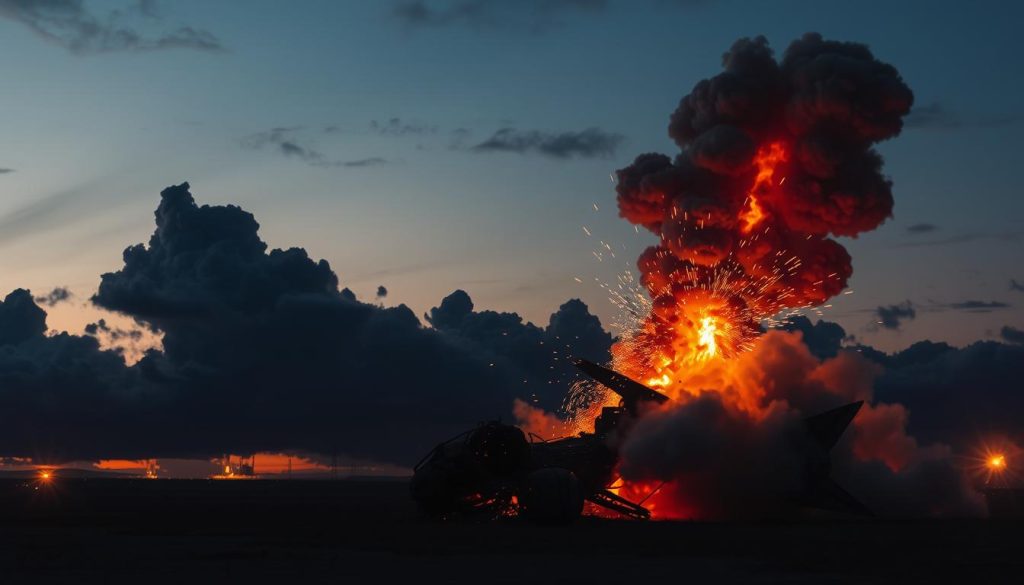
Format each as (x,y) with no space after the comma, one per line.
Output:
(262,351)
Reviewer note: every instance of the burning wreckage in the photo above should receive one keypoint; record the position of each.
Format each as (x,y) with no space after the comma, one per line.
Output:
(776,161)
(494,470)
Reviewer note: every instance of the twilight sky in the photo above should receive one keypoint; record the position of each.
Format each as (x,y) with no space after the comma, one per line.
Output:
(429,146)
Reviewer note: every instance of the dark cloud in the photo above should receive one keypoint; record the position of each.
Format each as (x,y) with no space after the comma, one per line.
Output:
(823,339)
(922,228)
(70,24)
(57,295)
(589,143)
(287,142)
(1012,335)
(20,318)
(398,127)
(936,116)
(978,306)
(534,16)
(4,171)
(262,351)
(892,316)
(114,333)
(1014,285)
(958,396)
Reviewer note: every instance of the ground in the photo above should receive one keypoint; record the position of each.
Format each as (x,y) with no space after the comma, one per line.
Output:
(363,531)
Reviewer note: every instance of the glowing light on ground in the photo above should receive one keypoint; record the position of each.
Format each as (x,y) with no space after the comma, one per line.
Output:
(997,462)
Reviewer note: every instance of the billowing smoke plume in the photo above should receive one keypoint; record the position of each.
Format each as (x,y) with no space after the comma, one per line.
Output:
(736,450)
(776,157)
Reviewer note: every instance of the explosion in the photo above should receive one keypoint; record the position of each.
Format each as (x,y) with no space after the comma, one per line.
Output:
(776,159)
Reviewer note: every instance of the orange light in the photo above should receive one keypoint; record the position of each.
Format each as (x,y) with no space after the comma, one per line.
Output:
(997,462)
(767,158)
(706,338)
(44,475)
(664,380)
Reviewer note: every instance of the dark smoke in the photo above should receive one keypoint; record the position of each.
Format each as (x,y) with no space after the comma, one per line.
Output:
(725,463)
(776,158)
(826,103)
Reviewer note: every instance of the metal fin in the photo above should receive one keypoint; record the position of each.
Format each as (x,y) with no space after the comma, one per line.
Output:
(827,427)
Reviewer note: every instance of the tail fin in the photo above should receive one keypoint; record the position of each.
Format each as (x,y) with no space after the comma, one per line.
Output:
(827,427)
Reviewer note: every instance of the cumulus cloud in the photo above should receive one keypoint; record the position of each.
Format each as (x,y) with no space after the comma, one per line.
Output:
(589,143)
(71,25)
(55,296)
(263,352)
(892,316)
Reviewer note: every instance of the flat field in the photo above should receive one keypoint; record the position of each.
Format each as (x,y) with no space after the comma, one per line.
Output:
(367,531)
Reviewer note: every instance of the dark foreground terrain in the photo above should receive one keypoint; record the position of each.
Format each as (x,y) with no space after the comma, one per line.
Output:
(180,531)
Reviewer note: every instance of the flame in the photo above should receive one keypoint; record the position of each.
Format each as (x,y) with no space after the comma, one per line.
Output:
(660,381)
(706,338)
(700,318)
(767,159)
(997,462)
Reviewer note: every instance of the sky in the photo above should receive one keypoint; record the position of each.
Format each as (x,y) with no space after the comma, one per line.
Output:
(433,146)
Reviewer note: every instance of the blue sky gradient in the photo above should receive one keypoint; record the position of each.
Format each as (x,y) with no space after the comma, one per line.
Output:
(91,137)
